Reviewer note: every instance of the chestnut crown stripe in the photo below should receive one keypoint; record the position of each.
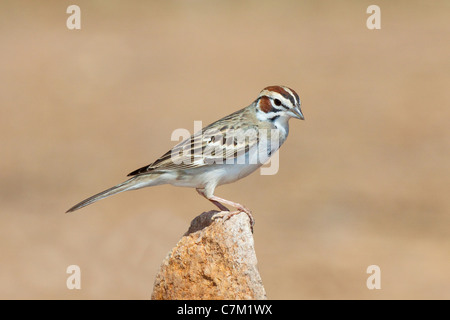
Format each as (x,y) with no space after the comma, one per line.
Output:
(291,96)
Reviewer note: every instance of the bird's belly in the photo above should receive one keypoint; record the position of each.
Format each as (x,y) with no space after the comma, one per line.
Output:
(221,174)
(236,172)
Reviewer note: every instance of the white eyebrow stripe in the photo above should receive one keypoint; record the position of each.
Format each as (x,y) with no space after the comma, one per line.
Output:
(275,95)
(292,94)
(284,101)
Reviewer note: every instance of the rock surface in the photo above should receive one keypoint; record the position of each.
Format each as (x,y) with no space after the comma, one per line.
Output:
(215,259)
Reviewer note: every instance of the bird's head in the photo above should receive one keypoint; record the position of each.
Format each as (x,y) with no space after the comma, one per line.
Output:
(276,102)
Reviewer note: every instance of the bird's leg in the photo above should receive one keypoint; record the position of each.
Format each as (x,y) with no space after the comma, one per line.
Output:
(219,203)
(240,208)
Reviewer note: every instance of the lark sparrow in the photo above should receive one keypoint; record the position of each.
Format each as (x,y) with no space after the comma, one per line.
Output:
(223,152)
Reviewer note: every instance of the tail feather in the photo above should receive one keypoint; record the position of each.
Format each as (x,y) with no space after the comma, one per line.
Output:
(124,186)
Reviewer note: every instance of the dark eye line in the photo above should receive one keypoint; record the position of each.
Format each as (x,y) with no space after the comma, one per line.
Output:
(278,103)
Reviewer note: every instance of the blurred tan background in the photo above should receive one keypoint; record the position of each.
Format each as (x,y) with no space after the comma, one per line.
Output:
(364,180)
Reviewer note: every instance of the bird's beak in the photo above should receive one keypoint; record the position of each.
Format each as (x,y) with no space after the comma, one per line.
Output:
(296,112)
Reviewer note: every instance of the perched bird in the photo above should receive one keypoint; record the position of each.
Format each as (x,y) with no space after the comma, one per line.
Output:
(225,151)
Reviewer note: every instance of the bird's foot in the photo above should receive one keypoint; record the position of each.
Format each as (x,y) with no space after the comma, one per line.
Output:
(225,215)
(225,212)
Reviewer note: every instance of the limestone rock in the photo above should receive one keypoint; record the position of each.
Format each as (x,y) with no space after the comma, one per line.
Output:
(215,259)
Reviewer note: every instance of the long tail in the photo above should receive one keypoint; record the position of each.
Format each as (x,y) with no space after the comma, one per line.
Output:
(130,184)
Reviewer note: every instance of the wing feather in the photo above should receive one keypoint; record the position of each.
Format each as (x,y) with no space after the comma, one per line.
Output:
(224,139)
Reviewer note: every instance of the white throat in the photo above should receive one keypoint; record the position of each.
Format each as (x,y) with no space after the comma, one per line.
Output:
(282,124)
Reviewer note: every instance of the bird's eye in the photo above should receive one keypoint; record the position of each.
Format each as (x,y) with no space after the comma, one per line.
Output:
(277,102)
